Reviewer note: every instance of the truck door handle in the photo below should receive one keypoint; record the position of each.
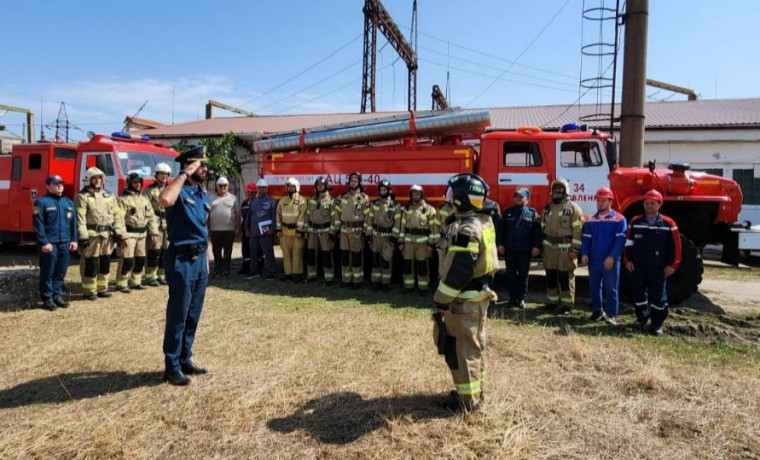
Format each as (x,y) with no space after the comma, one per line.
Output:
(505,180)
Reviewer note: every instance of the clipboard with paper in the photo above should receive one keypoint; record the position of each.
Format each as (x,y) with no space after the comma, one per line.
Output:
(264,226)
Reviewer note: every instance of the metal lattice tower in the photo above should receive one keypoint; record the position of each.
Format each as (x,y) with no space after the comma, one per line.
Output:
(376,17)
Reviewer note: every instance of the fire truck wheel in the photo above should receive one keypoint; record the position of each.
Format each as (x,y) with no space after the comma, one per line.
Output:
(685,281)
(682,284)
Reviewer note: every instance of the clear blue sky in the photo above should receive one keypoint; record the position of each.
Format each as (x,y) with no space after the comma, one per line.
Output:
(106,58)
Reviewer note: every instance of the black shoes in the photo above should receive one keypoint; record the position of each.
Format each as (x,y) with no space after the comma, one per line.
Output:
(125,290)
(550,306)
(176,378)
(138,287)
(49,304)
(154,283)
(597,316)
(61,302)
(190,368)
(104,294)
(92,296)
(565,310)
(163,282)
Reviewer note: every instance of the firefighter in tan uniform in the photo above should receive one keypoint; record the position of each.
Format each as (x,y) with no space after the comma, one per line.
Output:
(562,226)
(383,226)
(99,222)
(154,271)
(139,223)
(291,223)
(463,295)
(320,213)
(420,231)
(351,211)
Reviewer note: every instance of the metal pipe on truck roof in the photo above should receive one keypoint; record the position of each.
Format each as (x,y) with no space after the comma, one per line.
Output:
(441,124)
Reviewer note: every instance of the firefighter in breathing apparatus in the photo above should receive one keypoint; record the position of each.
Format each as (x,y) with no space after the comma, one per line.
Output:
(420,231)
(291,220)
(383,226)
(99,222)
(562,225)
(320,212)
(463,295)
(351,211)
(154,271)
(139,222)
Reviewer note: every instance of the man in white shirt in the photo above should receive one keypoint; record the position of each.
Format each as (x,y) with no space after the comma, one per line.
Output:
(224,224)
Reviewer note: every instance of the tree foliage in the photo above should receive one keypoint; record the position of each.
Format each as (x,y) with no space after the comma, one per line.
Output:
(222,160)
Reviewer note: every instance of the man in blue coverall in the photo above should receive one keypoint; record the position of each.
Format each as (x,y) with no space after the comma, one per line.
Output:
(602,247)
(518,239)
(259,227)
(186,263)
(55,226)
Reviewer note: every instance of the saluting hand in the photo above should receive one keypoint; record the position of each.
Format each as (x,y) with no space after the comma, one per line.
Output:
(191,167)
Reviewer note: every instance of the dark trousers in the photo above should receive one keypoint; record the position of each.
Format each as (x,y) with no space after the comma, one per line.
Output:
(605,281)
(221,246)
(53,266)
(246,250)
(187,278)
(262,245)
(650,295)
(518,266)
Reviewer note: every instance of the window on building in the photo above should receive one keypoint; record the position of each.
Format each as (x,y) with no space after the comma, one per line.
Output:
(35,161)
(64,154)
(750,185)
(580,154)
(521,154)
(16,168)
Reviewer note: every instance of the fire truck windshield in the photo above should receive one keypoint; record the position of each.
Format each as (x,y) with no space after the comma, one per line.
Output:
(144,163)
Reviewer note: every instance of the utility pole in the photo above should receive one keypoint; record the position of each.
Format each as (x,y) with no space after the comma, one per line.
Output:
(634,83)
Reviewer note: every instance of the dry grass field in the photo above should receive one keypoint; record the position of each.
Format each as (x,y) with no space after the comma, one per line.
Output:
(315,372)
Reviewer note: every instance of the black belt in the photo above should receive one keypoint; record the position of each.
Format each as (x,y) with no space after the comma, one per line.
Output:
(383,229)
(419,231)
(321,226)
(99,228)
(131,229)
(353,224)
(190,250)
(290,226)
(556,239)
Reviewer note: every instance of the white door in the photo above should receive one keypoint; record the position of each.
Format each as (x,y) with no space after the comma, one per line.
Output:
(583,164)
(104,162)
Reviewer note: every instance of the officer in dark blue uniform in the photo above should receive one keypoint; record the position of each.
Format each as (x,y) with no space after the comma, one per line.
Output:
(55,226)
(518,240)
(186,263)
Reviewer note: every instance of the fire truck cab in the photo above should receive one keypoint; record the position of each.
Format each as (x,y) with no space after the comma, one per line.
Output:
(23,173)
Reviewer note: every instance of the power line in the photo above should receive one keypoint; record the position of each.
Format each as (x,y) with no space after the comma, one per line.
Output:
(493,56)
(338,72)
(541,32)
(275,88)
(568,90)
(468,61)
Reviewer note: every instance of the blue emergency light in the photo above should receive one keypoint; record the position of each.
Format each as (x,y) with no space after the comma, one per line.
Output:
(123,135)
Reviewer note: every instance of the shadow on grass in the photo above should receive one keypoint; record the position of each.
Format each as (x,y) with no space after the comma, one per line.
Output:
(72,387)
(342,418)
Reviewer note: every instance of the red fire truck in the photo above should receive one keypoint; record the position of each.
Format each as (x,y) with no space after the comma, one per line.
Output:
(23,173)
(429,150)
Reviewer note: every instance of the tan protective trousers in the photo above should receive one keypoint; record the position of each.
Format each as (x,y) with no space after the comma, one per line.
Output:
(131,262)
(292,254)
(95,264)
(560,276)
(352,256)
(416,265)
(465,348)
(382,259)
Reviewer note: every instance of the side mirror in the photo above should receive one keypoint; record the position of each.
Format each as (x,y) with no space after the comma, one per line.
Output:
(612,158)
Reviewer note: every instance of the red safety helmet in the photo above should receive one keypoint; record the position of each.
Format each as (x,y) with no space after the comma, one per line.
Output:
(604,192)
(250,188)
(653,195)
